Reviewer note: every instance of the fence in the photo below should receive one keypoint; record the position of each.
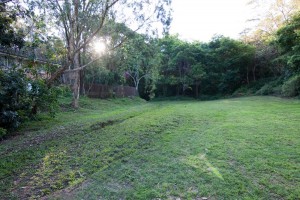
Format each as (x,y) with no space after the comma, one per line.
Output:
(106,91)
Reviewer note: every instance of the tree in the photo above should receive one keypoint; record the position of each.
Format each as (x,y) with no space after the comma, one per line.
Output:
(197,74)
(83,20)
(226,64)
(176,61)
(141,60)
(278,13)
(288,40)
(9,35)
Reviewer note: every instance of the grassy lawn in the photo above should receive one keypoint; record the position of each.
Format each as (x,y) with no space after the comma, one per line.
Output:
(243,148)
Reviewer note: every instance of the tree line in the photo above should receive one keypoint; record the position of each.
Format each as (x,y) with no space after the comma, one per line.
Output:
(169,66)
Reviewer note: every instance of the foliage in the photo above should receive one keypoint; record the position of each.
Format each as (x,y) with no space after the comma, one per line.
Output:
(21,98)
(179,59)
(98,74)
(230,61)
(10,35)
(3,132)
(140,62)
(168,76)
(291,87)
(276,42)
(220,66)
(271,88)
(274,16)
(253,87)
(136,62)
(223,65)
(13,98)
(288,41)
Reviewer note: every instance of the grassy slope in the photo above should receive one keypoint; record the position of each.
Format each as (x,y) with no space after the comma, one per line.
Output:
(244,148)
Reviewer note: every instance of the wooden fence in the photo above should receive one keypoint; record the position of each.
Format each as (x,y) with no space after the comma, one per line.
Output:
(106,91)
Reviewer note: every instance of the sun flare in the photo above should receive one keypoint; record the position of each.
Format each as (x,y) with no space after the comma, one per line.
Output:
(99,46)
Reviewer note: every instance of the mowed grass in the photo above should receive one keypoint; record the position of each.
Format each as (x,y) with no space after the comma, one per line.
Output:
(242,148)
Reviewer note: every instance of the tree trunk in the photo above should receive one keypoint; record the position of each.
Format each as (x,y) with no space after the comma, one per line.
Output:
(74,54)
(137,87)
(76,88)
(177,90)
(248,76)
(253,71)
(76,82)
(82,89)
(82,72)
(164,90)
(197,90)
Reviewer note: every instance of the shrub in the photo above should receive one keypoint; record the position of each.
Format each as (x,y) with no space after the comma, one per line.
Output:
(2,132)
(291,87)
(42,97)
(253,87)
(271,88)
(12,89)
(22,98)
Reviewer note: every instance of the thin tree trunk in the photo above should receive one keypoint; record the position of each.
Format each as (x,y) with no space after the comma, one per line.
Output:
(253,72)
(76,84)
(137,87)
(91,85)
(177,90)
(82,89)
(75,88)
(82,72)
(247,76)
(164,90)
(197,90)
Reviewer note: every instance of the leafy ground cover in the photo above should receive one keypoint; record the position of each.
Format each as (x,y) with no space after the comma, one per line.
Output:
(242,148)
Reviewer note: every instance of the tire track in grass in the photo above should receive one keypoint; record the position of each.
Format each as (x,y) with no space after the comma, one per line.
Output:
(43,148)
(131,137)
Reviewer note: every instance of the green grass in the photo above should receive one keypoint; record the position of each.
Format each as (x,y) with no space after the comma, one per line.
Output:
(242,148)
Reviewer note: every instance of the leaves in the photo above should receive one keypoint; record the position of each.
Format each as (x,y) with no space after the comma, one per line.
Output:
(21,98)
(288,40)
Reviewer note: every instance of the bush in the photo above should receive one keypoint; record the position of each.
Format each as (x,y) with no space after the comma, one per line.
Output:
(2,132)
(12,89)
(271,88)
(43,98)
(291,87)
(22,98)
(252,88)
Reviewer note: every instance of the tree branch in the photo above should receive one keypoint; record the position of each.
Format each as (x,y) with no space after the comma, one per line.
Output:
(56,74)
(84,66)
(105,11)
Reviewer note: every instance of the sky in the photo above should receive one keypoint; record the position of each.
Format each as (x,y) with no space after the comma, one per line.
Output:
(202,19)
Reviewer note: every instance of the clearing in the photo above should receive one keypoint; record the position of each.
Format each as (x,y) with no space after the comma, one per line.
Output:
(242,148)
